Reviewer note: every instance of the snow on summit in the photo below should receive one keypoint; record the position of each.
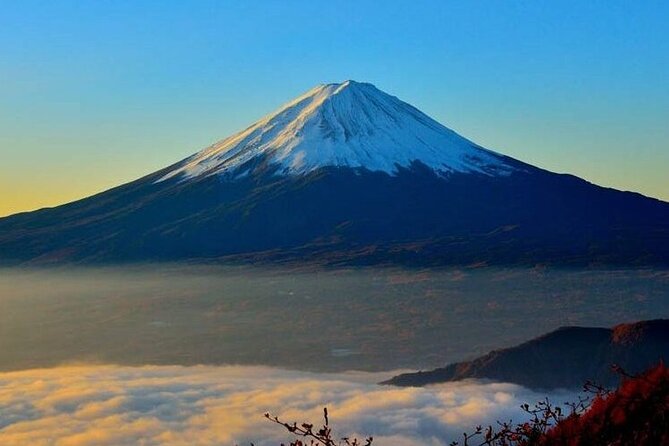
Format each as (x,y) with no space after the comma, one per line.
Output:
(350,124)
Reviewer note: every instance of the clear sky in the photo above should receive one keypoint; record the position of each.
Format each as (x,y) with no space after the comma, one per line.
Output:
(97,93)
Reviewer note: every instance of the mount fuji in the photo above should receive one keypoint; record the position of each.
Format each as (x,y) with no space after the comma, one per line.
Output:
(347,174)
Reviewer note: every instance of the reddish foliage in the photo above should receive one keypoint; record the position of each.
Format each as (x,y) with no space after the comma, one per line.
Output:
(635,414)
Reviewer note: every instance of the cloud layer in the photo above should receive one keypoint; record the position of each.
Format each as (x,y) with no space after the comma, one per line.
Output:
(203,405)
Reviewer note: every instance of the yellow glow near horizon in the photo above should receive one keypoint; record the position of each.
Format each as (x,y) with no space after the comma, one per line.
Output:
(53,187)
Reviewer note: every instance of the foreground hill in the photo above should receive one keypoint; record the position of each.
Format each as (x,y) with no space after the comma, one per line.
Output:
(634,414)
(564,358)
(637,413)
(347,174)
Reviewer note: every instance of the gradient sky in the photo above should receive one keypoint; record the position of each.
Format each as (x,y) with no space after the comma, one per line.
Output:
(97,93)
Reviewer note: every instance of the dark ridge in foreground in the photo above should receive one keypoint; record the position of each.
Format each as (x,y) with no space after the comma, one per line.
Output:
(564,358)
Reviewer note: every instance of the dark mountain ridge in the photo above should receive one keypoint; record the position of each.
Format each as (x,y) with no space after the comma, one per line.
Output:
(564,358)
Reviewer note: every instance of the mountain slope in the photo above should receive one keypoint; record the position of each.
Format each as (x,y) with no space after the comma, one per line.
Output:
(347,174)
(567,357)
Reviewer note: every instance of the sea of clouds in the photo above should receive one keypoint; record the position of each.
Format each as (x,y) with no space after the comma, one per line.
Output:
(106,405)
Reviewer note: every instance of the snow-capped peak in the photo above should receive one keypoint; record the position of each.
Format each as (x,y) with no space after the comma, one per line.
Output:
(350,124)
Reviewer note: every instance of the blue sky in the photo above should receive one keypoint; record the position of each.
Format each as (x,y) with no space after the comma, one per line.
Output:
(96,93)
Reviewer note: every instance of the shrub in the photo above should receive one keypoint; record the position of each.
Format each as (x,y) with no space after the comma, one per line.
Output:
(635,414)
(322,436)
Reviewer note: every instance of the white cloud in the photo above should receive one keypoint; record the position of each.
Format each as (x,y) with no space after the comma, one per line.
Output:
(208,405)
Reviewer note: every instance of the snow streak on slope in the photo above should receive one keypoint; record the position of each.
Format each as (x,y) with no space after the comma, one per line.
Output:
(347,125)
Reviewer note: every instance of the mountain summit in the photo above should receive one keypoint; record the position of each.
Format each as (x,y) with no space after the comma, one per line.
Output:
(351,124)
(347,174)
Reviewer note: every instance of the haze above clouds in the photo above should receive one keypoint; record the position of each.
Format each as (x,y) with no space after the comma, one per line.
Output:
(408,318)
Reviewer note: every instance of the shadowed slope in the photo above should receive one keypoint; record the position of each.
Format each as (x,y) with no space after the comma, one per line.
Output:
(567,357)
